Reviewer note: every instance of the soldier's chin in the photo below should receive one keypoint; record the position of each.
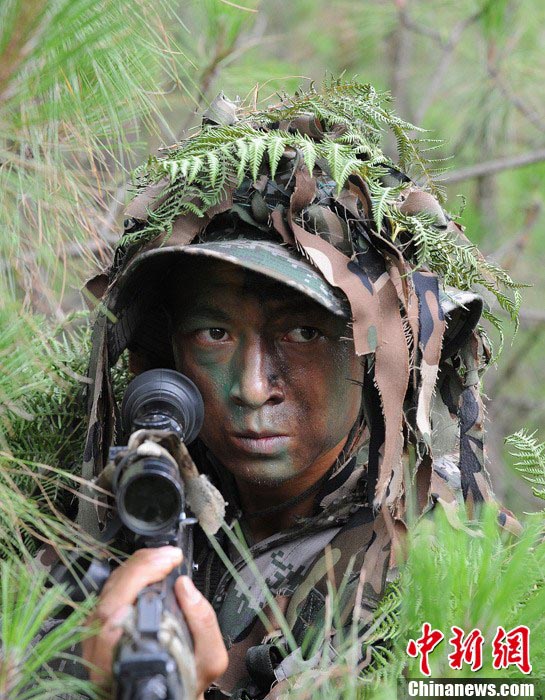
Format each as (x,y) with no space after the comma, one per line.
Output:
(265,472)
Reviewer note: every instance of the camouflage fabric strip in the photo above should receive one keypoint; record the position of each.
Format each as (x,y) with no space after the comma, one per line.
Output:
(186,227)
(373,572)
(471,427)
(101,422)
(401,275)
(306,124)
(348,199)
(148,200)
(392,378)
(280,226)
(402,281)
(331,228)
(358,187)
(430,341)
(335,268)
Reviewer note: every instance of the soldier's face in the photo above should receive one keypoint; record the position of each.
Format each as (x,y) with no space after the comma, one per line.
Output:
(279,377)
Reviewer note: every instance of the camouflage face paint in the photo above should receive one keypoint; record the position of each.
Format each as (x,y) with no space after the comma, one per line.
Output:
(281,382)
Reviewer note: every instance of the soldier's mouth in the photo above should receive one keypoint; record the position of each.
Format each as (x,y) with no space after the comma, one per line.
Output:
(260,443)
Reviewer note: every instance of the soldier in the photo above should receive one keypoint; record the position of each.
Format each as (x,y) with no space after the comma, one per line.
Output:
(340,377)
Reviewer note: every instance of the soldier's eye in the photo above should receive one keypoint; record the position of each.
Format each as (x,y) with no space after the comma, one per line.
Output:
(211,335)
(302,335)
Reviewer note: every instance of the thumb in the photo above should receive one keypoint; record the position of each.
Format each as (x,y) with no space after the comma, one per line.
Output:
(210,654)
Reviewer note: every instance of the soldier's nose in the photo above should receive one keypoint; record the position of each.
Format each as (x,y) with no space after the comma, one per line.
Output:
(254,382)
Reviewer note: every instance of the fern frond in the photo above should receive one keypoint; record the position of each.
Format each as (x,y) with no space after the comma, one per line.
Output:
(195,165)
(498,325)
(214,165)
(256,149)
(341,161)
(308,150)
(382,200)
(275,150)
(530,459)
(242,155)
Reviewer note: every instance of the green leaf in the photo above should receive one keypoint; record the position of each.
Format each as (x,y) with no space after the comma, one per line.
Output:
(336,159)
(172,168)
(380,206)
(308,149)
(195,165)
(275,150)
(213,167)
(256,149)
(242,152)
(530,458)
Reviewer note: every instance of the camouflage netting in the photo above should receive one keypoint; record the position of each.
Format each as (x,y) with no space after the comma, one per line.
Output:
(311,170)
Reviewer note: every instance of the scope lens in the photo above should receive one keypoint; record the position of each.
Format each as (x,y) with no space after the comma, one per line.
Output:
(149,497)
(149,503)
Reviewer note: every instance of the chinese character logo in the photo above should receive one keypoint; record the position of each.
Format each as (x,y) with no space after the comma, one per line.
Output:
(508,648)
(467,650)
(424,646)
(512,649)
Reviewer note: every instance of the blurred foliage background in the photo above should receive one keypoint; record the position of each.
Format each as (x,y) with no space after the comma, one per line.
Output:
(89,87)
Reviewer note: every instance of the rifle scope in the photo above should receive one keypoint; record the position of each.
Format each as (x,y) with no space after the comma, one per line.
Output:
(149,489)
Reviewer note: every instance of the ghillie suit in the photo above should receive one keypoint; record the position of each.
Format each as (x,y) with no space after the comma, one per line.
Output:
(310,174)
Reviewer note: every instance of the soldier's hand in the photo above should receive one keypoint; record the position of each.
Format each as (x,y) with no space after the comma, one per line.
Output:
(144,567)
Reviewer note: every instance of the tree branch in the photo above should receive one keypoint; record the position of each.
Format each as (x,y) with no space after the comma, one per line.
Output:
(401,49)
(537,120)
(417,28)
(437,79)
(497,165)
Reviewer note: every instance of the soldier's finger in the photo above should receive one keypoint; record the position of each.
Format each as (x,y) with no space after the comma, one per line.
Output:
(210,653)
(144,567)
(98,650)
